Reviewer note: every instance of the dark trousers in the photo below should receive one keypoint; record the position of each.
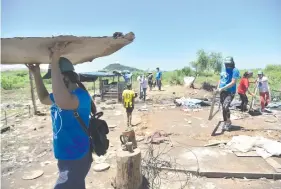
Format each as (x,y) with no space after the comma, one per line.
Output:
(159,84)
(72,173)
(226,98)
(144,93)
(244,102)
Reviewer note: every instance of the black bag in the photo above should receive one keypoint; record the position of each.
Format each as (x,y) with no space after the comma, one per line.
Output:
(97,131)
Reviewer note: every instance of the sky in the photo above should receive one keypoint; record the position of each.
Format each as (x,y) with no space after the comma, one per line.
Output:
(168,33)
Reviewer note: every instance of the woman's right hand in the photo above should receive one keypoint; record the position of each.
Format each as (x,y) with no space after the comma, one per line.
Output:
(34,68)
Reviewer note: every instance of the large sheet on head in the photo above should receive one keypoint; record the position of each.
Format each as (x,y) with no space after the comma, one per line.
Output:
(22,50)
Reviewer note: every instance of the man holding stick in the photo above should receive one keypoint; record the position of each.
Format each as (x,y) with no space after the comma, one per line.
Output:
(227,89)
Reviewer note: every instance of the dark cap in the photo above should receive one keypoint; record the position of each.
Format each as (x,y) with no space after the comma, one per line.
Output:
(229,60)
(65,66)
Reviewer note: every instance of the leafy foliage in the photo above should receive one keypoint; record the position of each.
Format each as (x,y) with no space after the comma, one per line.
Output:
(207,62)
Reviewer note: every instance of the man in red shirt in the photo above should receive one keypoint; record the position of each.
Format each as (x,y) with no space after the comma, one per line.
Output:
(243,88)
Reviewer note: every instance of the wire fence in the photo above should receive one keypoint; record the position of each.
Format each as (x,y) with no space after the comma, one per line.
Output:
(8,116)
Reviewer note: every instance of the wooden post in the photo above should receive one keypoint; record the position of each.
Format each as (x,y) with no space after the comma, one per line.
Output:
(29,111)
(128,175)
(32,92)
(212,105)
(253,98)
(94,87)
(6,120)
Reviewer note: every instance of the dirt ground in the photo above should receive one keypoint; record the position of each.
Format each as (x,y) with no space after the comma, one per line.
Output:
(27,146)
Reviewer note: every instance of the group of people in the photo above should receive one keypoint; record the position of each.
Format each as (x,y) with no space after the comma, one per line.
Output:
(146,81)
(227,89)
(129,95)
(71,144)
(261,83)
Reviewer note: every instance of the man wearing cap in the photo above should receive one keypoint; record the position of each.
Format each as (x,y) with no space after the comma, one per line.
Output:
(264,90)
(227,88)
(70,142)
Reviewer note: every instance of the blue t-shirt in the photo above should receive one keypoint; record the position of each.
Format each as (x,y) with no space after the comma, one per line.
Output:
(226,76)
(158,75)
(70,142)
(127,77)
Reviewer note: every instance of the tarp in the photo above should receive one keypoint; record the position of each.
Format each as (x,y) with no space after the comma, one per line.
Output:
(30,50)
(93,76)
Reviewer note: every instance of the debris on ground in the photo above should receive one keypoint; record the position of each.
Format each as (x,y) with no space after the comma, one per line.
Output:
(109,102)
(188,103)
(215,142)
(112,126)
(270,120)
(139,138)
(274,105)
(208,87)
(101,167)
(32,175)
(157,138)
(263,146)
(107,107)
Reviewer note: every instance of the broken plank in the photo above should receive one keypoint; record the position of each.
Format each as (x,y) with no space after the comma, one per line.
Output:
(246,154)
(273,163)
(5,129)
(216,142)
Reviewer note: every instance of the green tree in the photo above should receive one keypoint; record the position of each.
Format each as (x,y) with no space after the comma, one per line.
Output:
(215,61)
(202,60)
(186,71)
(206,62)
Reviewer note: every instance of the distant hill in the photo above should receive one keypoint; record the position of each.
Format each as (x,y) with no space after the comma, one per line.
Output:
(120,67)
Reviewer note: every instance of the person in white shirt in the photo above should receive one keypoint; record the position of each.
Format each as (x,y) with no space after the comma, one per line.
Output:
(264,90)
(144,85)
(139,79)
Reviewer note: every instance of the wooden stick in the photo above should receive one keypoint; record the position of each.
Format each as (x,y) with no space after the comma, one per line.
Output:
(32,93)
(253,97)
(212,106)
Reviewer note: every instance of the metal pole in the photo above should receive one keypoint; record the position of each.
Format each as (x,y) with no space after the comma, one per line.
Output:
(32,93)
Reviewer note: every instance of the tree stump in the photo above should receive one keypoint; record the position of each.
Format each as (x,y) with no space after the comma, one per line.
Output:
(129,175)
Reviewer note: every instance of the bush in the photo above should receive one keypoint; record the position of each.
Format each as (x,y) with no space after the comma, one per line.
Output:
(6,83)
(186,71)
(14,79)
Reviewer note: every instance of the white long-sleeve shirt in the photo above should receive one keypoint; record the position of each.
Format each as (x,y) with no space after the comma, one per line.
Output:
(263,84)
(144,83)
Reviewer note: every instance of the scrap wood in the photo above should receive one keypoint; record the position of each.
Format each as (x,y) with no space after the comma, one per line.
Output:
(216,142)
(272,162)
(32,50)
(246,154)
(212,106)
(253,98)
